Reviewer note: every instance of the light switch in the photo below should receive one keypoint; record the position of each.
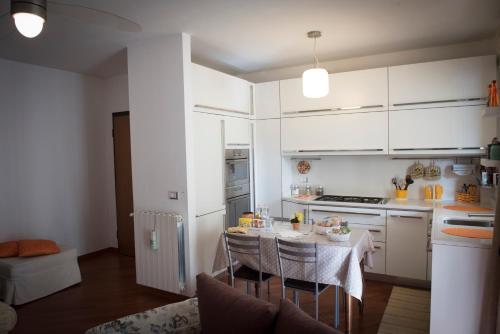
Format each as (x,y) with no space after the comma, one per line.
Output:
(173,195)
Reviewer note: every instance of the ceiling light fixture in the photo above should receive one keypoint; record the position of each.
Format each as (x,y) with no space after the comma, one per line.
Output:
(29,16)
(315,80)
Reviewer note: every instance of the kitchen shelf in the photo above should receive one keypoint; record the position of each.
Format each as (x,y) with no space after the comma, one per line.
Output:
(490,163)
(491,111)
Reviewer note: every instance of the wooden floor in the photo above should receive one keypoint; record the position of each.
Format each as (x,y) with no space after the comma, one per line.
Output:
(108,291)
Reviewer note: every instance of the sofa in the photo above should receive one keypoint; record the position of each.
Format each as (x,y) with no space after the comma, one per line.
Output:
(24,279)
(217,309)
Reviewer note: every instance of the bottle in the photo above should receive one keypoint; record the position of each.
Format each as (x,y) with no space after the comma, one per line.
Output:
(494,93)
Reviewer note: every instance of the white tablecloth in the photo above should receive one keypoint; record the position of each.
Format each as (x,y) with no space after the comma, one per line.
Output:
(338,262)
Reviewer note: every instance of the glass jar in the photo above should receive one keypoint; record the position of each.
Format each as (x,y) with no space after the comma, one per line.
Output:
(319,191)
(294,190)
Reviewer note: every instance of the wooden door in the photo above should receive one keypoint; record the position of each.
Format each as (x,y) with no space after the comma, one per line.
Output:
(123,183)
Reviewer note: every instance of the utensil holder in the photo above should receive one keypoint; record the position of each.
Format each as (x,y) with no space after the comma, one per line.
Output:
(401,194)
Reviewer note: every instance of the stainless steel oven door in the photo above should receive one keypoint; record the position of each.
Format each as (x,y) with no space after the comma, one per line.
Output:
(237,172)
(235,208)
(236,191)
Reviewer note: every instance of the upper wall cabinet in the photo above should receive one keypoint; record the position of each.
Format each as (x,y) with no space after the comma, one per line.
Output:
(267,100)
(218,91)
(343,134)
(364,90)
(236,132)
(448,130)
(441,83)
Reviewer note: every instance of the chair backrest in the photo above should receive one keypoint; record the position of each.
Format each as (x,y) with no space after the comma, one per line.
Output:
(245,245)
(299,252)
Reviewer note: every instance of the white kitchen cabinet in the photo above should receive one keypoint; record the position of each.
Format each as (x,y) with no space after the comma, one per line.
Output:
(440,83)
(208,231)
(443,130)
(363,90)
(406,247)
(236,131)
(267,100)
(209,163)
(378,258)
(291,208)
(344,134)
(293,100)
(219,91)
(268,165)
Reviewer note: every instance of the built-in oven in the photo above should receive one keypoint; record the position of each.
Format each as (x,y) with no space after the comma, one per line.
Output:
(237,167)
(237,178)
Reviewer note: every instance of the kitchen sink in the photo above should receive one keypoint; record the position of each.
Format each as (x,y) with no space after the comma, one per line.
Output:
(465,222)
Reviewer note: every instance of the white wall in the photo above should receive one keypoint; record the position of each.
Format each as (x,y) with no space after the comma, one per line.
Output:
(55,172)
(159,73)
(478,48)
(368,176)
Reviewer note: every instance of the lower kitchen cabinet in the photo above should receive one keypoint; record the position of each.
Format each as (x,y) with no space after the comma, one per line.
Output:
(209,228)
(378,259)
(406,247)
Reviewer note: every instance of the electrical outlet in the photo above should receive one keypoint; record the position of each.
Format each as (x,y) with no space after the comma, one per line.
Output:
(173,195)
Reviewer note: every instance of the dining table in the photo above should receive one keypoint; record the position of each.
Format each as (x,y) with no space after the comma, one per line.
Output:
(340,263)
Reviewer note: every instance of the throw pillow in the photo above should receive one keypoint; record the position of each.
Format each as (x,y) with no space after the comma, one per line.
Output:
(37,247)
(9,249)
(292,320)
(227,310)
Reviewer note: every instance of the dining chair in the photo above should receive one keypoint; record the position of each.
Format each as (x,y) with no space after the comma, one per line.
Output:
(246,246)
(303,253)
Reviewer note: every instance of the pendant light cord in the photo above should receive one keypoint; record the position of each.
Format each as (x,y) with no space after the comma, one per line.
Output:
(316,62)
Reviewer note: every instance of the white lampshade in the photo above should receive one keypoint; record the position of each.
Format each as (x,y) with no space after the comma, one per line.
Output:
(29,25)
(315,83)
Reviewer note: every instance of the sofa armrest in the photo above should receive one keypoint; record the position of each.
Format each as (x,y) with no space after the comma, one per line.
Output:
(182,318)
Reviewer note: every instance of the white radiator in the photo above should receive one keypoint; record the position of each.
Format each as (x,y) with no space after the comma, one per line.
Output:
(163,268)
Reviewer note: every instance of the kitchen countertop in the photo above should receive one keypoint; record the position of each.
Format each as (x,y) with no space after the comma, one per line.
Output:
(411,204)
(440,238)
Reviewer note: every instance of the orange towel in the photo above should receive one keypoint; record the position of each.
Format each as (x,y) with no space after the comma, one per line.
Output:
(469,232)
(470,208)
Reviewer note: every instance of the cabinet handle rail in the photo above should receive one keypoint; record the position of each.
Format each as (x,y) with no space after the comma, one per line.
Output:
(348,212)
(333,109)
(410,217)
(221,109)
(438,101)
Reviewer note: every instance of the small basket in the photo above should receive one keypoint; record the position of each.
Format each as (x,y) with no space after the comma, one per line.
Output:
(339,237)
(466,197)
(323,230)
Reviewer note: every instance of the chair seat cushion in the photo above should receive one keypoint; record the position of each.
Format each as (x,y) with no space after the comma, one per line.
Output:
(292,320)
(249,274)
(304,285)
(227,310)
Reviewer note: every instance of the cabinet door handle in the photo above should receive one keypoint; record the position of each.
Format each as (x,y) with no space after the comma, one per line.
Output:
(375,231)
(438,101)
(404,217)
(377,247)
(437,148)
(221,109)
(349,212)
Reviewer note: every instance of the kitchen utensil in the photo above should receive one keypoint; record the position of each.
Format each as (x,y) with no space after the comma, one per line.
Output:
(408,181)
(395,182)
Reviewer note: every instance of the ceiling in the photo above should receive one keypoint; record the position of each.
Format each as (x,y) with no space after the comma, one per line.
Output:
(242,36)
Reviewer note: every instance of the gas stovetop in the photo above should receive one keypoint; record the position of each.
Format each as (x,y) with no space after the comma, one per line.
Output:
(351,199)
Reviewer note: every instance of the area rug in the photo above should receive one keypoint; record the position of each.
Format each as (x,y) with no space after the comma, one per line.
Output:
(407,312)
